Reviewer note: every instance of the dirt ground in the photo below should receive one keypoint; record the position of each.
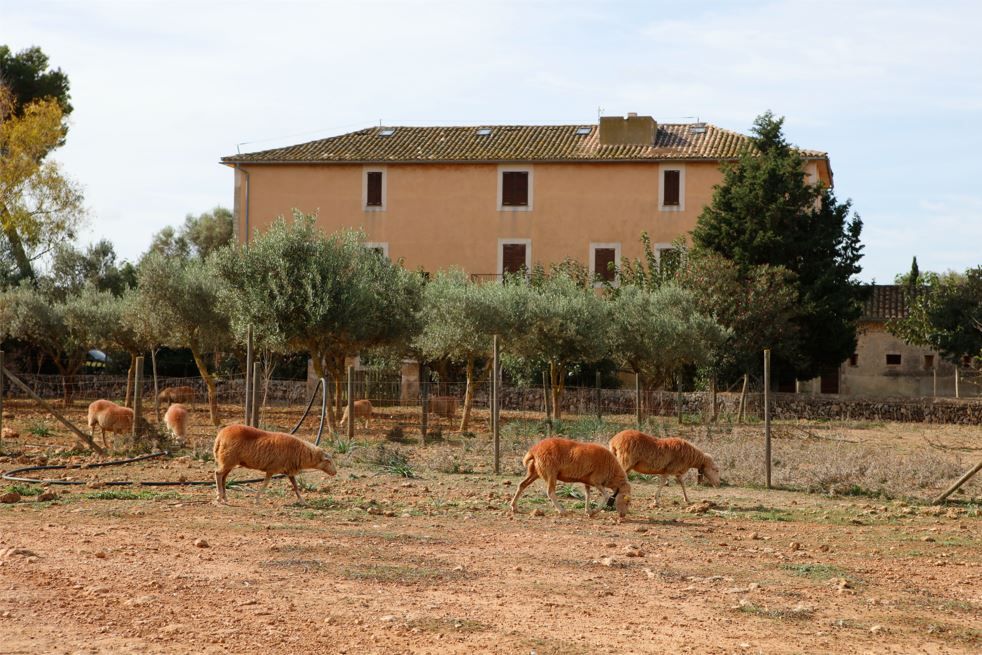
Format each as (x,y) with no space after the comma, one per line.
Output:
(375,562)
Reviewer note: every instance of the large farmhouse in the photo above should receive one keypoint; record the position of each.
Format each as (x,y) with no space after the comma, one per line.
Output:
(491,199)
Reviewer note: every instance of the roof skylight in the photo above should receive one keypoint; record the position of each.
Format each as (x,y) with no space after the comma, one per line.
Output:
(387,131)
(483,131)
(583,130)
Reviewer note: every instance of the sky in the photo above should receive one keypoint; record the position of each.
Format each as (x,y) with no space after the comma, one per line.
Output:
(161,90)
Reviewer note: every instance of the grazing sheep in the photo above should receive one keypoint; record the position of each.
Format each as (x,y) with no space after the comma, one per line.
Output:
(269,452)
(643,453)
(110,417)
(177,395)
(445,406)
(176,420)
(561,459)
(363,410)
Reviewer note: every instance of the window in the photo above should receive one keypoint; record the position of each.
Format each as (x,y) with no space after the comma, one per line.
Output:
(484,131)
(928,362)
(387,131)
(604,258)
(854,359)
(893,359)
(381,248)
(671,188)
(514,256)
(583,131)
(374,198)
(373,189)
(514,189)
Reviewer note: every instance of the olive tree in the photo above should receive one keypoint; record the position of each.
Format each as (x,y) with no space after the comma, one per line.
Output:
(325,295)
(178,301)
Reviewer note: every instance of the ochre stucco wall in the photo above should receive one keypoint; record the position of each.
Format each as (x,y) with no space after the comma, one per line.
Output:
(441,215)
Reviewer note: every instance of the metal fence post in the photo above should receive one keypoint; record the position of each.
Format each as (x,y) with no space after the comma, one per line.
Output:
(545,399)
(137,397)
(1,398)
(351,403)
(767,415)
(247,418)
(599,409)
(254,395)
(637,400)
(424,401)
(495,404)
(156,389)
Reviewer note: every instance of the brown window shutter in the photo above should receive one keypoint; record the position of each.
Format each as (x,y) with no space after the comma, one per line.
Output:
(374,196)
(513,257)
(671,195)
(514,189)
(603,258)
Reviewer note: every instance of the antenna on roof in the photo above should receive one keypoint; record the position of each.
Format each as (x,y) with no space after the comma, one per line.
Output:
(600,112)
(380,122)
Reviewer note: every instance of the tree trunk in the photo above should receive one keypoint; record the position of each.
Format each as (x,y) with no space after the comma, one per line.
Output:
(319,371)
(468,395)
(558,382)
(24,268)
(210,383)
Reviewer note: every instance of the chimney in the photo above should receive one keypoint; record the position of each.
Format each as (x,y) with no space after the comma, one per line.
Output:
(632,130)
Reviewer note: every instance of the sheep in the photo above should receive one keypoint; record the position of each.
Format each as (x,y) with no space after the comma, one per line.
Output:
(562,459)
(110,417)
(176,420)
(443,406)
(363,410)
(177,395)
(665,457)
(269,452)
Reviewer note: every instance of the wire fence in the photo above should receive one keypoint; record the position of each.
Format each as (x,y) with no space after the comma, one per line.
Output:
(389,391)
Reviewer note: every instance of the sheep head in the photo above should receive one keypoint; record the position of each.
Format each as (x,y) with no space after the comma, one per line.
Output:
(623,500)
(327,464)
(709,472)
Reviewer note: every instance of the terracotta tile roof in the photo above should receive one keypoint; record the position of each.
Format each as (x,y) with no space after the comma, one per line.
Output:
(885,302)
(515,143)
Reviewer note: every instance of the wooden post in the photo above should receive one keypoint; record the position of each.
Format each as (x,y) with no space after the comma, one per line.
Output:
(248,377)
(495,403)
(599,405)
(1,400)
(711,405)
(84,438)
(637,400)
(156,389)
(957,393)
(351,403)
(424,404)
(767,415)
(962,480)
(137,398)
(743,398)
(934,374)
(678,397)
(254,395)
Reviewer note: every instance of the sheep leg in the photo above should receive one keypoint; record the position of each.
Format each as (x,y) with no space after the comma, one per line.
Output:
(220,476)
(586,487)
(262,487)
(682,484)
(296,489)
(529,479)
(551,491)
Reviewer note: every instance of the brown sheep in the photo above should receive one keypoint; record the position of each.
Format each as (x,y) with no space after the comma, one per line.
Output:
(643,453)
(176,420)
(363,410)
(445,406)
(566,460)
(110,417)
(269,452)
(177,395)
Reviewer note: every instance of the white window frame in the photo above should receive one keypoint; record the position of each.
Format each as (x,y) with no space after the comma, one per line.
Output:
(501,254)
(501,184)
(364,188)
(384,245)
(659,248)
(661,187)
(593,261)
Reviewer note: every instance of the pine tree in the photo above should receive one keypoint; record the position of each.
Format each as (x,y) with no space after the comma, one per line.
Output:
(765,212)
